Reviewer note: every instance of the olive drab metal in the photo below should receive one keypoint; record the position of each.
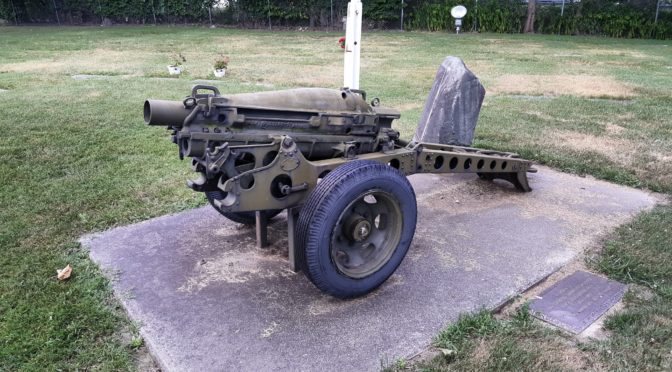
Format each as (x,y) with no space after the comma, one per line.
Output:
(256,154)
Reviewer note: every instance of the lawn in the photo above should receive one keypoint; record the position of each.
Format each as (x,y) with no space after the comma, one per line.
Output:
(76,157)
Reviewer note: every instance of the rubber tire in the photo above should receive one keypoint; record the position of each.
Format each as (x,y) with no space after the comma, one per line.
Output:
(322,210)
(246,218)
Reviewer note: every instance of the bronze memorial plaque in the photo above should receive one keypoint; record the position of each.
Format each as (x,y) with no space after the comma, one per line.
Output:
(578,300)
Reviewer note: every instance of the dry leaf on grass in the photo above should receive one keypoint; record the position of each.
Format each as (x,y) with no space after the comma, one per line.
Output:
(447,352)
(64,273)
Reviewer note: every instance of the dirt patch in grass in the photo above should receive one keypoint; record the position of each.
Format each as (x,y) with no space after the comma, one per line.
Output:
(563,354)
(587,61)
(105,60)
(615,149)
(409,106)
(575,85)
(482,350)
(527,46)
(615,52)
(661,157)
(645,160)
(661,321)
(547,117)
(309,76)
(480,67)
(613,128)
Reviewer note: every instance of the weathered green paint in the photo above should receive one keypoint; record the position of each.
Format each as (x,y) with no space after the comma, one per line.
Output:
(268,150)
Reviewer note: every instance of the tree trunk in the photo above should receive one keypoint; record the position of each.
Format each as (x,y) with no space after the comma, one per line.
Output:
(324,19)
(58,19)
(531,10)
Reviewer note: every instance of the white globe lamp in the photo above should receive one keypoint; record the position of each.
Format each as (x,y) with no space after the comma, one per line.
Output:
(458,12)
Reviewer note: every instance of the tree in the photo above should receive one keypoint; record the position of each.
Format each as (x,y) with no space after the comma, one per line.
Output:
(531,11)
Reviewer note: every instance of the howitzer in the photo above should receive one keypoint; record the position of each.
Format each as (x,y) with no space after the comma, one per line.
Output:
(328,157)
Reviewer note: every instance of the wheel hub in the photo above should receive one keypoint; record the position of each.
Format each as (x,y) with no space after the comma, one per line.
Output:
(357,228)
(367,234)
(362,230)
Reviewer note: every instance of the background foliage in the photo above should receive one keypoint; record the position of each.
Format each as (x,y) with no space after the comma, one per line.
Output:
(629,19)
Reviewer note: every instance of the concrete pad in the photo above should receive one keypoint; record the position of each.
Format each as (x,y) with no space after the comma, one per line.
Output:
(207,299)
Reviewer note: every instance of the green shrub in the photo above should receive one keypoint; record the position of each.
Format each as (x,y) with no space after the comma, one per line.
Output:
(589,17)
(614,18)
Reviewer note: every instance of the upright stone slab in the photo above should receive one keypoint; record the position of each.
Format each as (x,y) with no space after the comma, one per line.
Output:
(451,110)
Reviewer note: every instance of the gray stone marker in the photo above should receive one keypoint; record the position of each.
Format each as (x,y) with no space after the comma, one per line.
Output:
(207,299)
(451,110)
(578,300)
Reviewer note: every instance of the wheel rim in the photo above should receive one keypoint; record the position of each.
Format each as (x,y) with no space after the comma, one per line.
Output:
(366,234)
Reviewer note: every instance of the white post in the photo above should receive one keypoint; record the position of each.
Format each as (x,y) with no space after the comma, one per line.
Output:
(353,36)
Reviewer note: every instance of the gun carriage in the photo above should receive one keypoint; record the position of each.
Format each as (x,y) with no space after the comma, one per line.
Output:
(328,157)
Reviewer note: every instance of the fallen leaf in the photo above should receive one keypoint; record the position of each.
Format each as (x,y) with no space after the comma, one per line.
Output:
(447,352)
(64,273)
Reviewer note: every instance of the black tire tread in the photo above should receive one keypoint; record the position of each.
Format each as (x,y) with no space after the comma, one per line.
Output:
(323,193)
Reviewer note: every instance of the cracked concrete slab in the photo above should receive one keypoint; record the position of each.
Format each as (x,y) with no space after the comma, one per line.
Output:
(207,299)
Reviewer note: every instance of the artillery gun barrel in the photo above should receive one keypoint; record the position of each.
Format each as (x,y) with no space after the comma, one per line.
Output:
(165,113)
(328,153)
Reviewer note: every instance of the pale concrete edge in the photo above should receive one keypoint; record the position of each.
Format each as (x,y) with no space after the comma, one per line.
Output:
(154,350)
(658,198)
(88,238)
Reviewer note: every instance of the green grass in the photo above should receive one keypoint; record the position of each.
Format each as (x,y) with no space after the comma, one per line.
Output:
(482,342)
(75,157)
(640,334)
(640,254)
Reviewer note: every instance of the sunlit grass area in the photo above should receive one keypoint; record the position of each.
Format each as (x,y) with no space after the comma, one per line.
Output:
(75,156)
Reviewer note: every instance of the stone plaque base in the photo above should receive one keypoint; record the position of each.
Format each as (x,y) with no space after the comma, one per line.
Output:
(578,300)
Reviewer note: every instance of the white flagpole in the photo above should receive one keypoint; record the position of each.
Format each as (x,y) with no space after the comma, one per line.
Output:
(353,36)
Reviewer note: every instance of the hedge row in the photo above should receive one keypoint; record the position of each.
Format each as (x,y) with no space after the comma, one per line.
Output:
(589,17)
(616,18)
